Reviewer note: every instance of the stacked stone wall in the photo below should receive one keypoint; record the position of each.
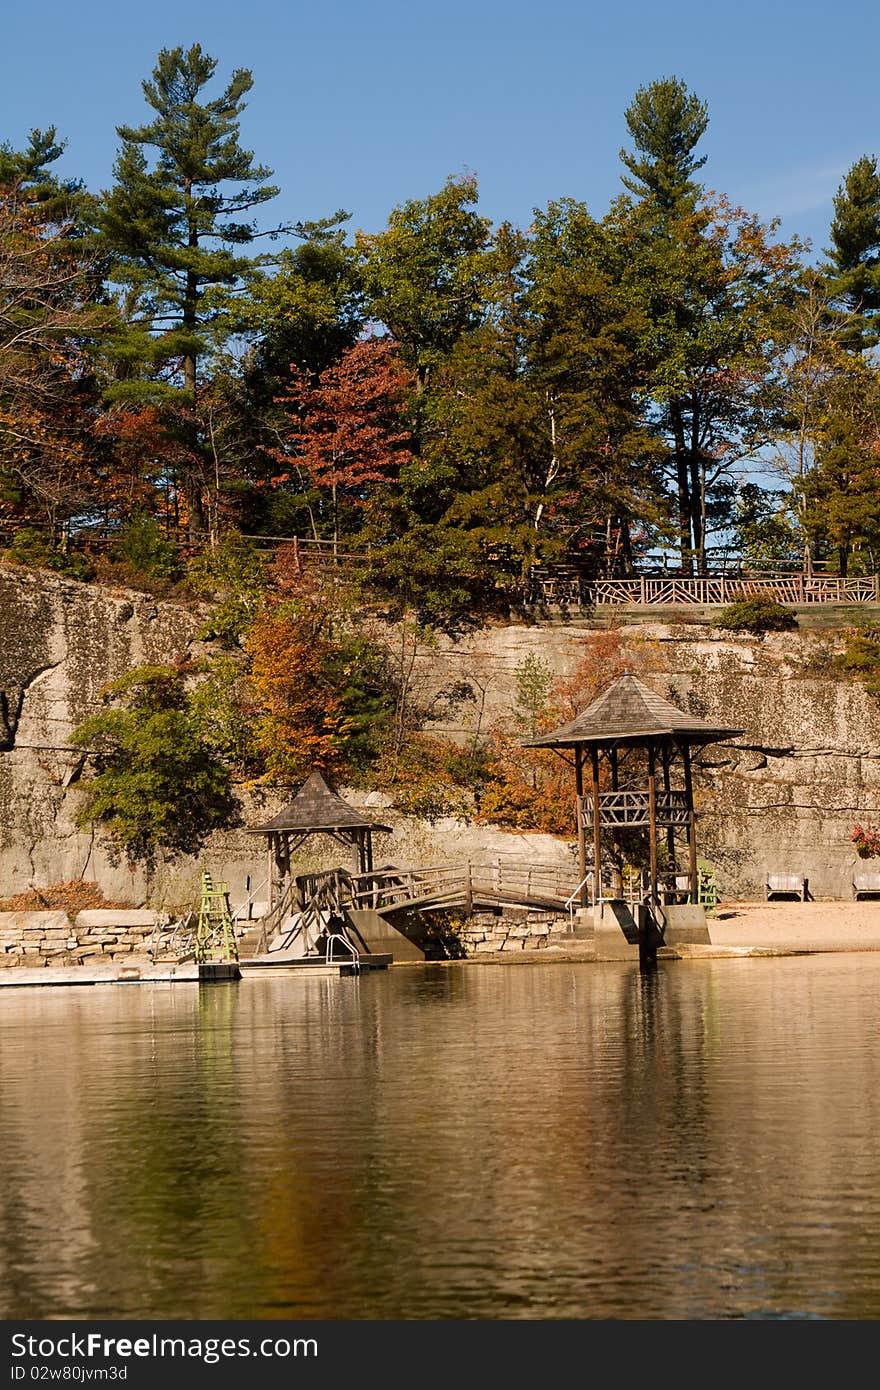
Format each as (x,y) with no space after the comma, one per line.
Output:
(488,933)
(54,939)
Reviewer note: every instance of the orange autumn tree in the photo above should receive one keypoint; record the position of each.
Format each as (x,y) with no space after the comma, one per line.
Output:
(144,453)
(48,285)
(533,788)
(300,723)
(346,433)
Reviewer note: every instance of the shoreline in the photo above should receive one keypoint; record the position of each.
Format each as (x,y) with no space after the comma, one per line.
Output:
(740,930)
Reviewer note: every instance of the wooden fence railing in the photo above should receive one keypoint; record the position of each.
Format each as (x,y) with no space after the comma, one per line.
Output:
(445,885)
(647,591)
(561,585)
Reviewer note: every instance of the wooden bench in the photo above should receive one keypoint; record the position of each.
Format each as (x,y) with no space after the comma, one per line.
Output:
(866,885)
(787,886)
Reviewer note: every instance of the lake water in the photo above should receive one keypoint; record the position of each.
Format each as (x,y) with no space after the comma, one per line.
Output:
(449,1141)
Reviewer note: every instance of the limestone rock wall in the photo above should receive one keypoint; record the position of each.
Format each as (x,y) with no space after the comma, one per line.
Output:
(782,796)
(60,642)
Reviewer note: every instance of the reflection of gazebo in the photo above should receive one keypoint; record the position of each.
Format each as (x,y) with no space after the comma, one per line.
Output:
(317,809)
(629,719)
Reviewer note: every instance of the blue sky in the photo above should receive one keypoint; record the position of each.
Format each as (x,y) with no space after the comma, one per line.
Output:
(362,106)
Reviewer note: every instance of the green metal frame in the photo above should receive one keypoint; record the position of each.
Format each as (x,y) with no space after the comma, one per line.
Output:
(215,933)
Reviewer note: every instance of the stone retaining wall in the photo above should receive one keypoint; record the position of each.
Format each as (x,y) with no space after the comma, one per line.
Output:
(53,938)
(486,932)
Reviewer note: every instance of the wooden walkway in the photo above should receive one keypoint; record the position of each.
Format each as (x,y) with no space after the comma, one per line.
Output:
(465,885)
(316,903)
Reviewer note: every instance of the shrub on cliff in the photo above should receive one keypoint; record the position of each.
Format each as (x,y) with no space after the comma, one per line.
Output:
(860,660)
(757,615)
(156,785)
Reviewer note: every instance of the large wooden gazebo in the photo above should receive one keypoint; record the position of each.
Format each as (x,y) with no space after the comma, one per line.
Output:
(317,809)
(646,744)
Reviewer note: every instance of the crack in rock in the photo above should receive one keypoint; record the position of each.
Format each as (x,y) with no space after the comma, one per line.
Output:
(10,712)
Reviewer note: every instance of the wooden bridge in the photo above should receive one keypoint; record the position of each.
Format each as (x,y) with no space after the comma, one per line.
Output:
(316,904)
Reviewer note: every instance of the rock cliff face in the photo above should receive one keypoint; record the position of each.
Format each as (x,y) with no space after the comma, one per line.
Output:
(61,642)
(782,797)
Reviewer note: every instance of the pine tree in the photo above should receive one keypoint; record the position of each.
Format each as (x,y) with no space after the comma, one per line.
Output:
(666,123)
(171,229)
(854,256)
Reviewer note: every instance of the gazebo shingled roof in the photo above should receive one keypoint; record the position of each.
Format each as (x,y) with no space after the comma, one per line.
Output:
(630,712)
(317,806)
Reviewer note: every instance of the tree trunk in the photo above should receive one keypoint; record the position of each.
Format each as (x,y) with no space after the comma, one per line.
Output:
(683,485)
(192,482)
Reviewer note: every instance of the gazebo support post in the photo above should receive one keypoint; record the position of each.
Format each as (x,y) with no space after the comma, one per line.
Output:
(691,824)
(666,756)
(597,825)
(617,868)
(581,836)
(652,822)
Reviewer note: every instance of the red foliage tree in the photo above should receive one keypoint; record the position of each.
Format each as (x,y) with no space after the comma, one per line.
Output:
(346,431)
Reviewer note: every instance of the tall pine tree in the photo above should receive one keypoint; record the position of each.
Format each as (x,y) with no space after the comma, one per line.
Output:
(666,122)
(172,227)
(853,266)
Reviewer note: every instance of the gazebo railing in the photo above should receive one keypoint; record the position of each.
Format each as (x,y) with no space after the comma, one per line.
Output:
(629,809)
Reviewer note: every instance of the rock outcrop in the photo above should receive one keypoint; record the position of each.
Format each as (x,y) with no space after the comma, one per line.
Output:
(783,796)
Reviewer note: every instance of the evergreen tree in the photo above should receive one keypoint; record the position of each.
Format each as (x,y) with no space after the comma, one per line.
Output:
(172,230)
(853,264)
(29,170)
(712,288)
(841,503)
(666,122)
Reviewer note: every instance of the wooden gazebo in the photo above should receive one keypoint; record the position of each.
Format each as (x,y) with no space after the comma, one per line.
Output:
(317,809)
(646,743)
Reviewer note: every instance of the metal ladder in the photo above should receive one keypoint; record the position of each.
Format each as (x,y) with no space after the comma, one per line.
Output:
(215,931)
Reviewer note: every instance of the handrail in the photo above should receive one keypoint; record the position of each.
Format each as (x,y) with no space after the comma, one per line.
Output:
(249,900)
(334,937)
(569,902)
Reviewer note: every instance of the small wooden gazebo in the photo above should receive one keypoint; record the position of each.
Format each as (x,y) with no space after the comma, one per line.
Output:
(640,736)
(317,809)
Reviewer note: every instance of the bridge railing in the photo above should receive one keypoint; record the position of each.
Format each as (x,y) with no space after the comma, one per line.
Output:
(461,882)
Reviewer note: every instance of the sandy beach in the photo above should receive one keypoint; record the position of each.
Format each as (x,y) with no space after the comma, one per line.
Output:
(795,926)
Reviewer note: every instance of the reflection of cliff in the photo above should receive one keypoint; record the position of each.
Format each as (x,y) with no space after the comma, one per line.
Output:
(460,1141)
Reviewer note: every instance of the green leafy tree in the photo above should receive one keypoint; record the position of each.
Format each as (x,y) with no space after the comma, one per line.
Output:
(157,786)
(588,359)
(175,230)
(425,274)
(305,317)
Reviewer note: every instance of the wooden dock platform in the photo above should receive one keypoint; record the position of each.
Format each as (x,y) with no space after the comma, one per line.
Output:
(253,966)
(121,973)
